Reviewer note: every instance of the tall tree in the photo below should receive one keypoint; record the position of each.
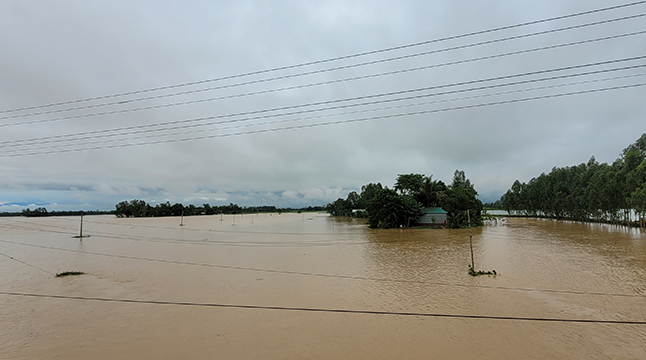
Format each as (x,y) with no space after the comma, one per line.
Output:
(409,184)
(460,197)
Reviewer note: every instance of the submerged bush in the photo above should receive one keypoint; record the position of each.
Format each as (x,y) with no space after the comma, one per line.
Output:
(69,273)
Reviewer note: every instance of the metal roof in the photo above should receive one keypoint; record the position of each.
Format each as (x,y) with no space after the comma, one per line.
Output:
(433,210)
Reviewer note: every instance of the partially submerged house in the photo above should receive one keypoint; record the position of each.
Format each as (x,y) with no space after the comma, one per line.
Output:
(432,215)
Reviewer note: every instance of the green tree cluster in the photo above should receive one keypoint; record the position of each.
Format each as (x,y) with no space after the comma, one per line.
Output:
(41,211)
(38,212)
(589,191)
(461,197)
(388,209)
(139,208)
(401,206)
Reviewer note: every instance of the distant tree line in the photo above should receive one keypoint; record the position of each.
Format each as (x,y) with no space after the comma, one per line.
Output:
(496,205)
(41,212)
(402,205)
(589,191)
(139,208)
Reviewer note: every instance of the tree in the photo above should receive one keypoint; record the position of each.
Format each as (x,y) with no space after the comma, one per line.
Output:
(38,212)
(134,208)
(637,201)
(208,210)
(122,210)
(430,192)
(340,207)
(354,200)
(584,192)
(387,209)
(367,193)
(409,184)
(460,197)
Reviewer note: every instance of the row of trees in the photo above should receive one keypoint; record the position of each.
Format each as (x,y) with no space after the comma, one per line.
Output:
(38,212)
(402,205)
(139,208)
(41,211)
(589,191)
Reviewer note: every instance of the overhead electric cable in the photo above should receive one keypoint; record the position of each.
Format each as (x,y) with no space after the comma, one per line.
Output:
(184,229)
(460,47)
(25,263)
(324,310)
(106,134)
(362,77)
(324,275)
(104,138)
(424,112)
(318,103)
(372,52)
(107,235)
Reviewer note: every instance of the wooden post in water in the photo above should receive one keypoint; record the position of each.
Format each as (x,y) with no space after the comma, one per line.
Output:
(470,240)
(181,222)
(81,230)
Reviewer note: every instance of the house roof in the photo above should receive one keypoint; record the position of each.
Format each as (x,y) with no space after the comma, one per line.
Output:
(433,210)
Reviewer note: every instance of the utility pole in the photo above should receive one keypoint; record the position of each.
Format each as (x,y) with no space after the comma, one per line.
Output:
(81,230)
(80,236)
(470,239)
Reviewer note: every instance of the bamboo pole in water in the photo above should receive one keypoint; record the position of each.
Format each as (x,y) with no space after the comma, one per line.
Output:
(470,240)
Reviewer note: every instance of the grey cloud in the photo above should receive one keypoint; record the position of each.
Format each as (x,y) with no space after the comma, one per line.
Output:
(72,50)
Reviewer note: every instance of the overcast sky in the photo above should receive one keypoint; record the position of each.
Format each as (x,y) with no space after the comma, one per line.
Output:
(237,146)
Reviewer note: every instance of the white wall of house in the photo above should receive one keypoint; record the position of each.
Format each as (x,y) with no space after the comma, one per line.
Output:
(432,219)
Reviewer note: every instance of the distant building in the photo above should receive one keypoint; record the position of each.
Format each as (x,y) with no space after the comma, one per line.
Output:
(433,215)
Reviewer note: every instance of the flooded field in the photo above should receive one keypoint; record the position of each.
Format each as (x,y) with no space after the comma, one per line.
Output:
(157,290)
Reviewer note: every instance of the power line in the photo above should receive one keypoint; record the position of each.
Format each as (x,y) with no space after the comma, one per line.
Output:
(338,122)
(300,234)
(323,310)
(313,72)
(323,275)
(344,67)
(345,57)
(214,230)
(148,128)
(24,263)
(107,235)
(104,136)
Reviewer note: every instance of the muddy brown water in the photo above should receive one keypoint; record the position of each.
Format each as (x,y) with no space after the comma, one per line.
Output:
(549,269)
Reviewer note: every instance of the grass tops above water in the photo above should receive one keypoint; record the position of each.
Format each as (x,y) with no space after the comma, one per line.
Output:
(69,273)
(473,272)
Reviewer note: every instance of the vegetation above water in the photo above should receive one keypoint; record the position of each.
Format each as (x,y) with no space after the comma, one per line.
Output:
(589,191)
(42,212)
(401,206)
(139,208)
(69,273)
(474,272)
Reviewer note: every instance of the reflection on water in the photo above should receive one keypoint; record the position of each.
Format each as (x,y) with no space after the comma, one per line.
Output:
(549,269)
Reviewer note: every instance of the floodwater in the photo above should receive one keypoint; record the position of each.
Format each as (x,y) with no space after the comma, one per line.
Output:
(298,262)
